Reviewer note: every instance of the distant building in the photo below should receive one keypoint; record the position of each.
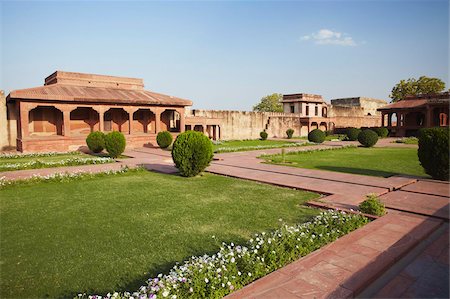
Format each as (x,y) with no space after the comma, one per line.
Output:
(406,117)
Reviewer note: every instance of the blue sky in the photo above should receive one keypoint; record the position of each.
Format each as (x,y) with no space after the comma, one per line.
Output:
(229,54)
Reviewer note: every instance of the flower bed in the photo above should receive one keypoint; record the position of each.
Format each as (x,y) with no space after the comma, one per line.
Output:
(62,177)
(35,164)
(35,155)
(233,266)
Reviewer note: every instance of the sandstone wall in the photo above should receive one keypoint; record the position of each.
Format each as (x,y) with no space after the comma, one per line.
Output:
(248,125)
(8,124)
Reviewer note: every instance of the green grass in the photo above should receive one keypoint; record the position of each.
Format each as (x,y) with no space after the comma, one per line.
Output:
(113,232)
(407,140)
(382,162)
(248,145)
(54,158)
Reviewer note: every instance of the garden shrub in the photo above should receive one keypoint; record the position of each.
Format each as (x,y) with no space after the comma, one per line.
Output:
(192,152)
(96,141)
(372,205)
(289,133)
(381,131)
(164,139)
(316,136)
(115,144)
(434,151)
(329,132)
(263,135)
(368,138)
(352,134)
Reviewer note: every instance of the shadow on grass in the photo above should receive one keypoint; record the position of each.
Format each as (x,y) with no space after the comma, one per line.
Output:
(363,171)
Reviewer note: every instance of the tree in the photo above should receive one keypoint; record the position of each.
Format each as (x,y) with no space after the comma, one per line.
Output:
(413,87)
(270,103)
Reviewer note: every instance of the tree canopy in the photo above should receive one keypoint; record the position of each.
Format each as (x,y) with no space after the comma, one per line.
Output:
(270,103)
(416,87)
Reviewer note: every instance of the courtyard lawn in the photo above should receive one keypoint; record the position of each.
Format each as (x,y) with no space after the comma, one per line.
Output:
(249,145)
(30,161)
(113,232)
(382,162)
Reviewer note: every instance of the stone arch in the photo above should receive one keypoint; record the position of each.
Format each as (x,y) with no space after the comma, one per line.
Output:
(198,128)
(443,119)
(45,121)
(83,120)
(323,126)
(116,119)
(144,121)
(324,111)
(314,125)
(393,118)
(170,120)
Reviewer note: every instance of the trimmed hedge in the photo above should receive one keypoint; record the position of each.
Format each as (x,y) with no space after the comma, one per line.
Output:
(164,139)
(316,136)
(289,133)
(381,131)
(368,138)
(352,134)
(96,141)
(115,144)
(263,135)
(192,152)
(434,151)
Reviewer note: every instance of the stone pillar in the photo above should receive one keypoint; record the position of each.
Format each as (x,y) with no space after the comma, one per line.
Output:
(66,122)
(158,121)
(429,117)
(389,119)
(24,120)
(130,112)
(382,119)
(182,120)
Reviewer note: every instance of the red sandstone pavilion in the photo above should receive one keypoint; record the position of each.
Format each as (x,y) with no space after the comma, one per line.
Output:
(59,115)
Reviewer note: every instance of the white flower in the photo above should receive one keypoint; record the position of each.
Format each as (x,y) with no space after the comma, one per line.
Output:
(165,293)
(232,260)
(249,274)
(206,280)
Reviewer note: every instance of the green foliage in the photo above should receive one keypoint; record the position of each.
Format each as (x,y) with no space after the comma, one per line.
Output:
(316,136)
(352,134)
(115,144)
(381,131)
(96,141)
(263,135)
(192,152)
(372,205)
(434,151)
(164,139)
(407,140)
(413,87)
(368,138)
(270,103)
(289,133)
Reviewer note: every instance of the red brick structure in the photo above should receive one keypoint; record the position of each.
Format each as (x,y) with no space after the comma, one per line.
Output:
(59,115)
(406,117)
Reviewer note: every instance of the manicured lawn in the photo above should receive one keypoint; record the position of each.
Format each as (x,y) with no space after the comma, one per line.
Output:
(248,145)
(114,232)
(54,160)
(383,162)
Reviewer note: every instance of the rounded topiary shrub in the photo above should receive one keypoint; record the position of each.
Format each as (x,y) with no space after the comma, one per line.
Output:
(368,138)
(289,133)
(96,141)
(433,152)
(115,144)
(352,134)
(373,206)
(263,135)
(164,139)
(316,136)
(381,132)
(192,152)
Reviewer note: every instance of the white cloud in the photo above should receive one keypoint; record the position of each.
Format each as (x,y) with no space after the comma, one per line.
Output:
(329,37)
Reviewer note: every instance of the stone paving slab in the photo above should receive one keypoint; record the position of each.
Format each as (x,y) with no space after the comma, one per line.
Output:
(343,268)
(424,204)
(352,191)
(429,187)
(427,276)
